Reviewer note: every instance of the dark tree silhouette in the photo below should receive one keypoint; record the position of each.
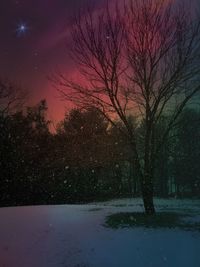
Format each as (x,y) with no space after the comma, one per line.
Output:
(186,153)
(142,60)
(11,97)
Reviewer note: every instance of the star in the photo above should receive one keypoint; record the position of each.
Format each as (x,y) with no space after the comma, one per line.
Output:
(22,29)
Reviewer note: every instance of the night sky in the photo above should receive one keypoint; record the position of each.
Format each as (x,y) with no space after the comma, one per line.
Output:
(34,39)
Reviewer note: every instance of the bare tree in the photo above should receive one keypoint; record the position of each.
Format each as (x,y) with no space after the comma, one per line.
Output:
(11,97)
(144,61)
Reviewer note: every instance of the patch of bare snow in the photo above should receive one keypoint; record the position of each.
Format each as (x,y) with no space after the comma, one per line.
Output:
(74,236)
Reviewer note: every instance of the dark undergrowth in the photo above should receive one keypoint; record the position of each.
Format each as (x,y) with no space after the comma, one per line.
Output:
(159,220)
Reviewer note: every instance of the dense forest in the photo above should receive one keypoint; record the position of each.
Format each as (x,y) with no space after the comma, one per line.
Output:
(87,159)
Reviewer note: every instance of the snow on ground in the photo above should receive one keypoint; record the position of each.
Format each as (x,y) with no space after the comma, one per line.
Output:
(74,236)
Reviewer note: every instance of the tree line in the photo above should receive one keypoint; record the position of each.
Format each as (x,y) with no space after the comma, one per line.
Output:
(87,159)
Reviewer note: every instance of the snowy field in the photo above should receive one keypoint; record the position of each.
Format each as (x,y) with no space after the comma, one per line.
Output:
(74,236)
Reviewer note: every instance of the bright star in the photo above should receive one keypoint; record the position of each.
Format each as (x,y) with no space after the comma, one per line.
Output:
(22,28)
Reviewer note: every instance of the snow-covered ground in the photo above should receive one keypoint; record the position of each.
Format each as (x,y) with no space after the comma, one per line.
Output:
(74,236)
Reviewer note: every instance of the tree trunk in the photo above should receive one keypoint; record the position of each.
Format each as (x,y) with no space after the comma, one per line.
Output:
(146,186)
(149,138)
(145,180)
(147,195)
(130,180)
(135,187)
